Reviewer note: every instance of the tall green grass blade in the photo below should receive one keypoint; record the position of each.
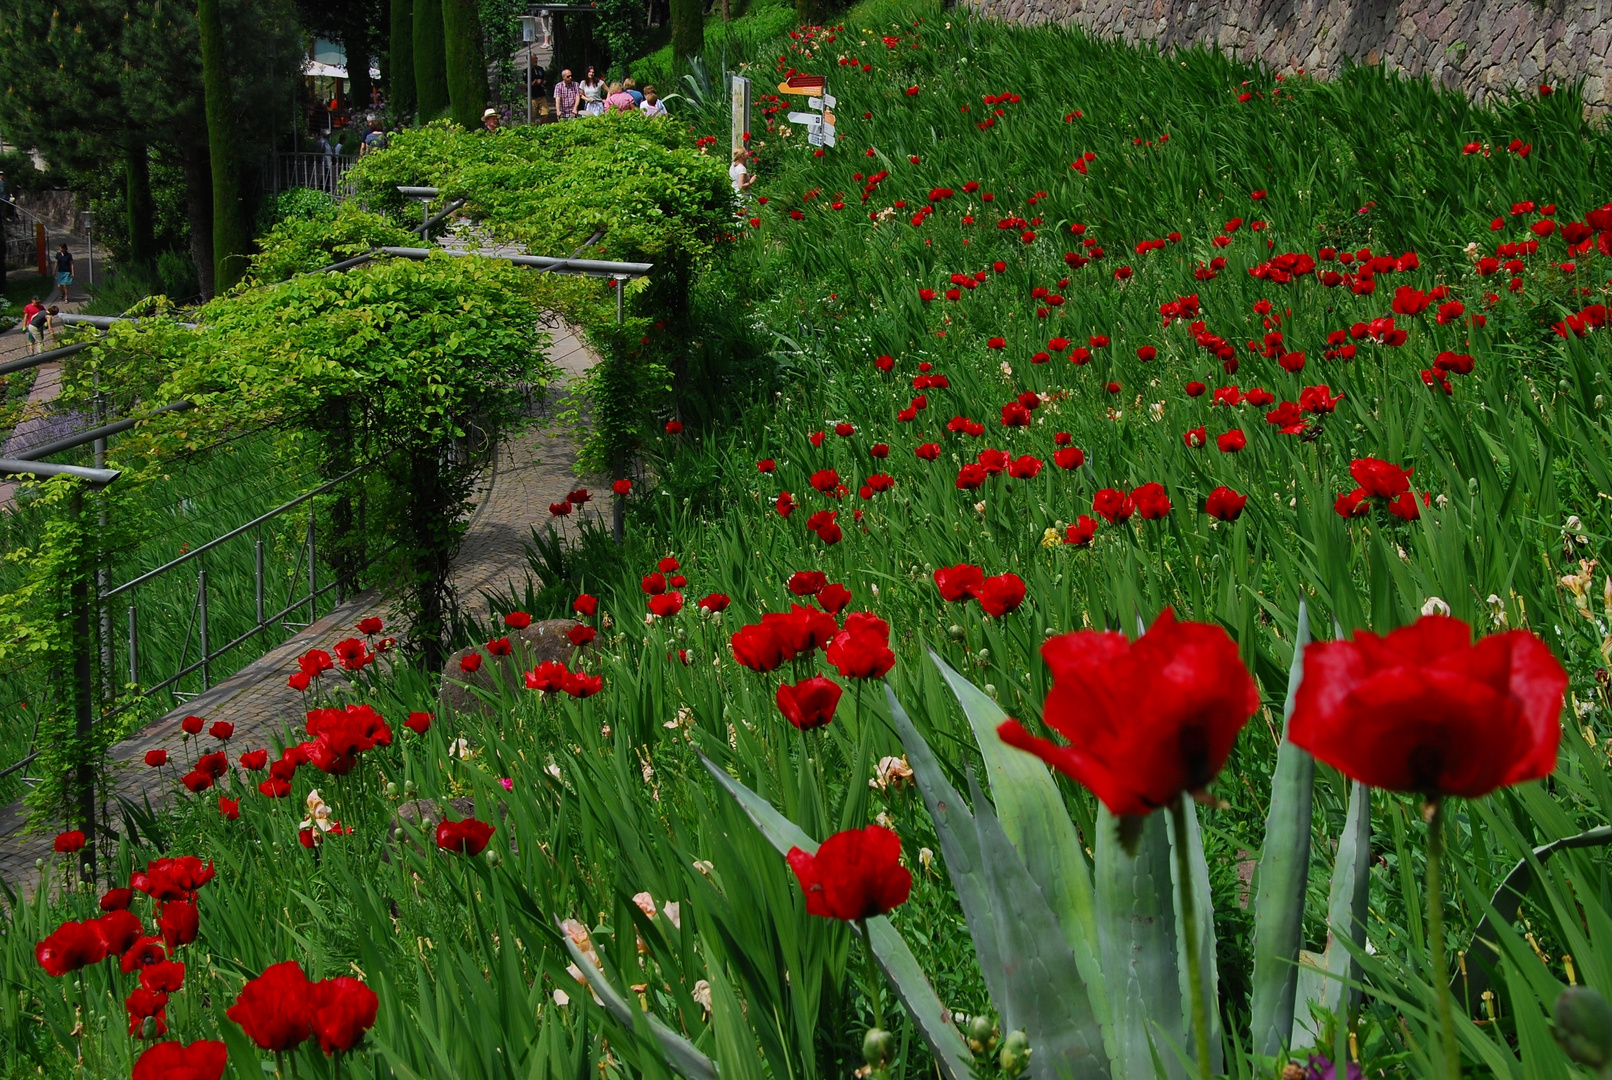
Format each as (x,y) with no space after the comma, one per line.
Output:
(1204,917)
(1283,876)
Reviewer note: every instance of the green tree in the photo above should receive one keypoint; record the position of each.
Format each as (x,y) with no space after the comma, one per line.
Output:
(401,66)
(688,29)
(231,241)
(430,61)
(465,66)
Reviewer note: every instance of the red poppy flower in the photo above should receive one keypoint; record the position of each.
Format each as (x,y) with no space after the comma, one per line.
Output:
(1232,441)
(825,480)
(470,664)
(1196,437)
(201,1060)
(370,625)
(971,476)
(143,1005)
(758,648)
(1405,507)
(253,760)
(1024,467)
(299,681)
(959,583)
(156,758)
(560,509)
(164,976)
(817,438)
(1379,478)
(1070,457)
(68,842)
(801,629)
(517,620)
(653,584)
(1288,418)
(192,725)
(419,722)
(119,930)
(1146,353)
(142,954)
(621,487)
(996,343)
(834,598)
(340,735)
(844,431)
(1145,720)
(1001,595)
(666,605)
(766,465)
(879,450)
(1195,389)
(197,781)
(315,661)
(927,451)
(785,504)
(1425,710)
(548,677)
(274,788)
(809,704)
(1113,506)
(229,808)
(862,649)
(884,362)
(1225,504)
(1152,503)
(585,605)
(715,602)
(117,899)
(579,684)
(1080,533)
(273,1008)
(855,875)
(179,923)
(468,837)
(341,1010)
(807,582)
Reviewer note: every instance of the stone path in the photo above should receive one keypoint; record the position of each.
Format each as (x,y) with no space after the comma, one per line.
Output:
(33,426)
(532,470)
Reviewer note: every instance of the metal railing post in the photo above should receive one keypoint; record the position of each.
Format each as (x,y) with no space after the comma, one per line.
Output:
(619,511)
(134,647)
(258,566)
(312,574)
(83,704)
(201,604)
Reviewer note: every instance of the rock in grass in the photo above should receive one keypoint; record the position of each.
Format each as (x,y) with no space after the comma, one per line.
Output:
(536,644)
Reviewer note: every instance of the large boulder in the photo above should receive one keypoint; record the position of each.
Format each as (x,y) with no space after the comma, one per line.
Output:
(536,644)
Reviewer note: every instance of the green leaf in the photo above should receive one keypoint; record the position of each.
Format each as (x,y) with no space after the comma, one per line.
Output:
(735,1050)
(1346,911)
(1046,995)
(1282,879)
(1034,817)
(1204,915)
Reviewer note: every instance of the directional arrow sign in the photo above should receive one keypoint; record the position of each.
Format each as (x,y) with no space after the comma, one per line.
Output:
(819,102)
(809,119)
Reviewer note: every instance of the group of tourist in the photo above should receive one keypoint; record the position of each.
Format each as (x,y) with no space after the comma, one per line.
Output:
(594,97)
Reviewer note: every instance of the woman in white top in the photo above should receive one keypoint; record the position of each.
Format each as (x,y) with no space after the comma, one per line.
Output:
(741,177)
(593,95)
(652,105)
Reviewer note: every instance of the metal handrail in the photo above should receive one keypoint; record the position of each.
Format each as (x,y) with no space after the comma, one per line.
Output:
(232,534)
(18,467)
(45,357)
(84,438)
(588,267)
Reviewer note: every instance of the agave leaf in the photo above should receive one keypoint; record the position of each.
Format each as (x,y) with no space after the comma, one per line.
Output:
(1034,817)
(1346,914)
(1139,953)
(889,947)
(678,1051)
(959,847)
(1204,916)
(1045,995)
(1282,879)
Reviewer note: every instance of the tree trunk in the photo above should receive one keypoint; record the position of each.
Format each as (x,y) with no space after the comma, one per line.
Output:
(231,241)
(688,29)
(355,41)
(138,208)
(400,68)
(466,69)
(430,70)
(199,212)
(814,12)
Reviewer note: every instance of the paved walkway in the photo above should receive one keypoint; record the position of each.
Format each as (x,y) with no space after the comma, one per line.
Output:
(532,470)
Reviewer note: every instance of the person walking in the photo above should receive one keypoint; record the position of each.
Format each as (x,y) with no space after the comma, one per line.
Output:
(653,105)
(36,335)
(567,92)
(593,94)
(64,271)
(619,100)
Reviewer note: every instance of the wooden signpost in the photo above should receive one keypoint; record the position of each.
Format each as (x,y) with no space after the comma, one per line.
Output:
(820,122)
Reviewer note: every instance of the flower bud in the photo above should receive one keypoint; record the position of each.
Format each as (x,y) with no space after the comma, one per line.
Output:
(982,1033)
(493,857)
(878,1048)
(391,789)
(1015,1056)
(955,631)
(1584,1026)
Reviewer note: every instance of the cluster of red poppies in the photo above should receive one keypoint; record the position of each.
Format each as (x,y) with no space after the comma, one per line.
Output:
(281,1009)
(580,497)
(998,596)
(172,884)
(1385,482)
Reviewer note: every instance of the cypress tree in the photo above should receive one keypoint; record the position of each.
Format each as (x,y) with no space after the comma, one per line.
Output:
(137,206)
(231,241)
(430,63)
(466,68)
(400,69)
(688,29)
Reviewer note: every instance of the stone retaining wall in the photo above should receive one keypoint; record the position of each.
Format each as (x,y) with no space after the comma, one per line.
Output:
(1480,46)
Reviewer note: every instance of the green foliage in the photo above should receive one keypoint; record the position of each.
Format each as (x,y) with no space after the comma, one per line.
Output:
(326,234)
(295,204)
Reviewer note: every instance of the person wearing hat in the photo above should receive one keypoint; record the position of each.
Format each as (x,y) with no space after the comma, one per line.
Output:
(489,120)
